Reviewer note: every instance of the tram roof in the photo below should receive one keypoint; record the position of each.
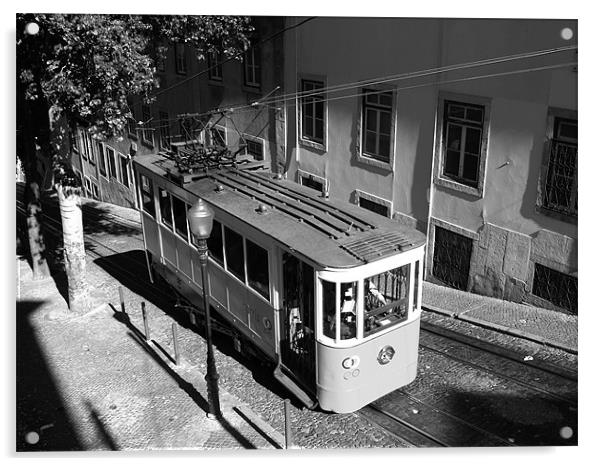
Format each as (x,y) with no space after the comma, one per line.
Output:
(328,232)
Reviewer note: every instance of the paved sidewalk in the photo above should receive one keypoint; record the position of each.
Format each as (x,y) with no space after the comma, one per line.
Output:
(540,325)
(93,382)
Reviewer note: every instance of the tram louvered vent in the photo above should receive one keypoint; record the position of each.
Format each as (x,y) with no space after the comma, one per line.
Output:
(375,246)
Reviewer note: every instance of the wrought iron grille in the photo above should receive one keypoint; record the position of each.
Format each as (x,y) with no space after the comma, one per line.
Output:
(560,191)
(556,287)
(451,258)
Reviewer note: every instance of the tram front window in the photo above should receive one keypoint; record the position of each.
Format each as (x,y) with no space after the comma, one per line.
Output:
(386,299)
(348,310)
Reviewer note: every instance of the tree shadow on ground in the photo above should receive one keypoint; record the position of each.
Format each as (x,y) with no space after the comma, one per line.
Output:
(99,218)
(42,421)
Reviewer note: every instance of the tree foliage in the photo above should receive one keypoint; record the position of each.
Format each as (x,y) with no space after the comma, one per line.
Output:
(85,66)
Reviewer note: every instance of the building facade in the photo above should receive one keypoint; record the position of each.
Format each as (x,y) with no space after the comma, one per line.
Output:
(195,88)
(464,128)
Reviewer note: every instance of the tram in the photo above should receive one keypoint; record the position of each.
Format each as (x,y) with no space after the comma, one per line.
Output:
(326,291)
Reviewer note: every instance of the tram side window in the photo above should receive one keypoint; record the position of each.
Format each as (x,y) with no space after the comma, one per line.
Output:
(258,269)
(179,217)
(348,310)
(235,261)
(215,244)
(165,205)
(328,309)
(146,190)
(386,299)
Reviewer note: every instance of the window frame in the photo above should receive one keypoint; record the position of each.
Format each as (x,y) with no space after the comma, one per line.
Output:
(215,69)
(247,137)
(569,215)
(304,175)
(363,156)
(181,63)
(252,54)
(102,164)
(123,158)
(359,194)
(439,176)
(308,141)
(112,169)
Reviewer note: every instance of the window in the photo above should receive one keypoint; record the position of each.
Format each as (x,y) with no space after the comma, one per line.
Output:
(147,132)
(112,162)
(179,217)
(312,183)
(377,125)
(215,244)
(165,206)
(164,136)
(218,136)
(348,305)
(373,203)
(131,127)
(83,143)
(214,65)
(462,132)
(254,147)
(386,299)
(181,65)
(235,262)
(328,309)
(451,258)
(312,111)
(559,175)
(257,269)
(160,59)
(88,186)
(102,163)
(462,137)
(252,67)
(373,206)
(95,191)
(73,142)
(146,191)
(125,174)
(556,287)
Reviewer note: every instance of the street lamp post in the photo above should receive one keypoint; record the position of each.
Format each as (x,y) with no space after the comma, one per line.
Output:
(200,219)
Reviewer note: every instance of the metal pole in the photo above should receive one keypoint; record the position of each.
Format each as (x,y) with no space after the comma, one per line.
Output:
(211,377)
(288,436)
(145,319)
(176,348)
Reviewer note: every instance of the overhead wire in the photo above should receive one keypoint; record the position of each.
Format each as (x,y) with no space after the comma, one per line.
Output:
(293,96)
(413,86)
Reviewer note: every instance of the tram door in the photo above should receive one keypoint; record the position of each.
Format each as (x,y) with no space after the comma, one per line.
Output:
(297,339)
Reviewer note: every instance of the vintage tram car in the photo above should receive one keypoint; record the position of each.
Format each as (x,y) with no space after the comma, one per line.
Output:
(327,291)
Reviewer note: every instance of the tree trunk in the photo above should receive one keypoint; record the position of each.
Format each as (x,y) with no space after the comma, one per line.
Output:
(74,252)
(33,202)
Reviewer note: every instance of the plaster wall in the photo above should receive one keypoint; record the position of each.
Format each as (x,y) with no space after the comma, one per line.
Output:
(509,233)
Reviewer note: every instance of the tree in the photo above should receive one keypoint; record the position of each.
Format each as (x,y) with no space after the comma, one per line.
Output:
(83,68)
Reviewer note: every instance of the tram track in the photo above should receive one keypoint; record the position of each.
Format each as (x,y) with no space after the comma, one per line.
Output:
(515,380)
(414,421)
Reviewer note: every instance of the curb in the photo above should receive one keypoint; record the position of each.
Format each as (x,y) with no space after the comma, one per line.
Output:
(503,329)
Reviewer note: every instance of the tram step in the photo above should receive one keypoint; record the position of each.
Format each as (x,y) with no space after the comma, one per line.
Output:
(294,388)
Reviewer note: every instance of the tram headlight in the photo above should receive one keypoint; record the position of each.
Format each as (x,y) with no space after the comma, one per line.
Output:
(351,362)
